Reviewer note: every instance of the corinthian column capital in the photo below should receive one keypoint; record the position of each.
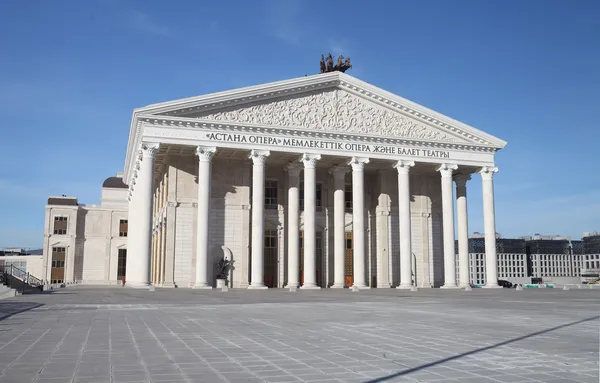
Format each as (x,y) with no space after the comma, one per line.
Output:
(403,167)
(461,180)
(339,172)
(487,172)
(293,169)
(310,160)
(205,153)
(149,149)
(446,169)
(358,163)
(259,157)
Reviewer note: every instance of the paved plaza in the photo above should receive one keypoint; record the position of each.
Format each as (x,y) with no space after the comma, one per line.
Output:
(114,334)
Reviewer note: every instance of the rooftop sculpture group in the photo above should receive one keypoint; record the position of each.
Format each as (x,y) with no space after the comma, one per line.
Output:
(328,66)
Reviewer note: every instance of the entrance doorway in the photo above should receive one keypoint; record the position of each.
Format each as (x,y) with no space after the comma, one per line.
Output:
(318,256)
(57,272)
(121,264)
(348,261)
(270,258)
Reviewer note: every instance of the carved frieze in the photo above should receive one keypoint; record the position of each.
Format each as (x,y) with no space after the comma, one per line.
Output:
(335,111)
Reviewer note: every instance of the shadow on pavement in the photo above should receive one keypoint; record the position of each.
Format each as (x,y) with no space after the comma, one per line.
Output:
(8,309)
(437,362)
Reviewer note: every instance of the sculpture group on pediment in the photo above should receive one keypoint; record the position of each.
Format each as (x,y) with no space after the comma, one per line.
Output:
(326,64)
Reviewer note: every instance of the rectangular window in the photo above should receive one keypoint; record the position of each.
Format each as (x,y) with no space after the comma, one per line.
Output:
(270,239)
(123,228)
(57,273)
(270,258)
(121,263)
(348,197)
(60,225)
(318,196)
(270,194)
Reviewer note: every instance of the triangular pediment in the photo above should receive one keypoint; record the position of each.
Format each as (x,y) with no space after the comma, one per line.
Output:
(332,102)
(332,110)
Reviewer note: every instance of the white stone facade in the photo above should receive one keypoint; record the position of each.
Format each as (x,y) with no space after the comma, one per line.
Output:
(315,182)
(91,239)
(228,175)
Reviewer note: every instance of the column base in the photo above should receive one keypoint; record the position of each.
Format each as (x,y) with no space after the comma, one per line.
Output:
(257,287)
(338,286)
(404,287)
(464,286)
(202,287)
(496,286)
(310,287)
(137,285)
(363,287)
(293,284)
(450,287)
(168,285)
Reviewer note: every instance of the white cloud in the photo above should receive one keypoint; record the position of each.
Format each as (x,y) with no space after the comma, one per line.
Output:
(282,20)
(145,23)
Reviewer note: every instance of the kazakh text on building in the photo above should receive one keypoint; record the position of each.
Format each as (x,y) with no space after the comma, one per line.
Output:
(327,145)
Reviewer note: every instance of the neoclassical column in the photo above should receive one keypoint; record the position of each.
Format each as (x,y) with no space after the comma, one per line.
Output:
(293,243)
(448,223)
(489,226)
(205,155)
(358,221)
(259,157)
(310,234)
(339,225)
(140,275)
(403,168)
(462,229)
(132,234)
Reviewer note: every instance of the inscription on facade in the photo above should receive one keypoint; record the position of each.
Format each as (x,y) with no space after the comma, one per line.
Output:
(326,145)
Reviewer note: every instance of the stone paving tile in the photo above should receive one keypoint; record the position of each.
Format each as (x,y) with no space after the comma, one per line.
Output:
(329,336)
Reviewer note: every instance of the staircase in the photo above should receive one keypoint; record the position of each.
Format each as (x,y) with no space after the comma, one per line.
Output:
(14,280)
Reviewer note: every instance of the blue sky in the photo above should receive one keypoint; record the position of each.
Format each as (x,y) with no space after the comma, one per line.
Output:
(71,72)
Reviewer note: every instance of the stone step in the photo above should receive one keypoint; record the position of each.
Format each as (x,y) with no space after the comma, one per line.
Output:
(7,292)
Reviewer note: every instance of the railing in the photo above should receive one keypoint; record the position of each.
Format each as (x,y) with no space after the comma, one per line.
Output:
(8,271)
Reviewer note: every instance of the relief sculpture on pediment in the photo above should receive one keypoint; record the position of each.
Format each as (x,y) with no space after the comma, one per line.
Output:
(335,111)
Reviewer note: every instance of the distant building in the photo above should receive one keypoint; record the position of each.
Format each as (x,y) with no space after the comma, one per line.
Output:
(19,251)
(536,258)
(90,235)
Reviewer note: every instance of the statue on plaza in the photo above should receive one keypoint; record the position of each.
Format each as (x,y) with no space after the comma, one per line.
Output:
(326,65)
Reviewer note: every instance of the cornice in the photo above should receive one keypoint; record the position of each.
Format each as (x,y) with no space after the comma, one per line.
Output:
(230,127)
